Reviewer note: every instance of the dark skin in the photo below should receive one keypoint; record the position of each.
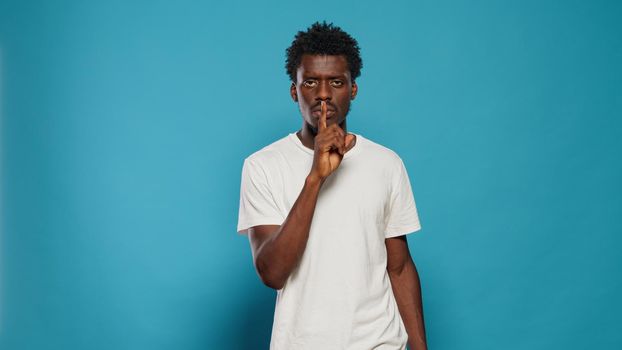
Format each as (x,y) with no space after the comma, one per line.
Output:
(323,91)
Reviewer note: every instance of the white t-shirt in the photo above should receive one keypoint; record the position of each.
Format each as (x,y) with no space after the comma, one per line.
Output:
(339,296)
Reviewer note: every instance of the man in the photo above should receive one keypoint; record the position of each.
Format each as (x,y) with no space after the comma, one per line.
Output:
(326,212)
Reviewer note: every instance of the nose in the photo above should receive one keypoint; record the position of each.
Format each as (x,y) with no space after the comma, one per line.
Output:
(324,92)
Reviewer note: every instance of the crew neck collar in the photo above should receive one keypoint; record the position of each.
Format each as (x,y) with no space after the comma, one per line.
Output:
(353,151)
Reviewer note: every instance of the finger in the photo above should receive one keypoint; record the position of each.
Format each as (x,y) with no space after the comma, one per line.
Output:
(322,124)
(339,131)
(336,130)
(341,136)
(349,141)
(327,142)
(330,143)
(340,142)
(337,135)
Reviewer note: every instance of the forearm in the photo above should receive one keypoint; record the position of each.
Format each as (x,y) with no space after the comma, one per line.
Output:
(278,256)
(407,291)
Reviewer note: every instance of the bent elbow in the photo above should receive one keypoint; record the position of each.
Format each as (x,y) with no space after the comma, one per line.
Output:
(272,283)
(268,277)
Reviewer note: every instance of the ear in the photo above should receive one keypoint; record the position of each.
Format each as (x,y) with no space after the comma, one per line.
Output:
(293,92)
(355,89)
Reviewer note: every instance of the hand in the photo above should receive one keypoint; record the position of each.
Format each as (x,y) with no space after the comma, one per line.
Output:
(331,143)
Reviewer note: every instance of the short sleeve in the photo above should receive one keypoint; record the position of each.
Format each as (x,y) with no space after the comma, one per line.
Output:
(257,204)
(403,217)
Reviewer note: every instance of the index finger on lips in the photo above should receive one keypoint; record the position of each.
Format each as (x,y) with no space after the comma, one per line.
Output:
(322,123)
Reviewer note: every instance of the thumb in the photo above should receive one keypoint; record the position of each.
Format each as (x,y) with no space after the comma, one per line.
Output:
(350,140)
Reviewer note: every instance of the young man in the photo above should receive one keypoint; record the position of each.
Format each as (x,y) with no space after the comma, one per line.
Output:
(326,212)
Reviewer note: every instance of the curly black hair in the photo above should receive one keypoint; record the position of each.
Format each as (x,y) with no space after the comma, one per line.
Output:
(323,39)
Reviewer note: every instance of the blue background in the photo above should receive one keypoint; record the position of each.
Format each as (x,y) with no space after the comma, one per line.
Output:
(124,127)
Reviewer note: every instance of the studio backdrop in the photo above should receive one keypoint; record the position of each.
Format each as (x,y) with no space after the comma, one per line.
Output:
(124,126)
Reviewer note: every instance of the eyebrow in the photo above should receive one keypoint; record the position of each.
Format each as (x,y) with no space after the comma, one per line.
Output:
(313,76)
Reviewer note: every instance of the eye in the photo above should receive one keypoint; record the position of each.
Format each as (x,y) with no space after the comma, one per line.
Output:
(309,83)
(336,83)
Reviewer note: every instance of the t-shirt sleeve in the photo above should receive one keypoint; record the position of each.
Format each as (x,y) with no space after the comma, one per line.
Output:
(403,217)
(257,204)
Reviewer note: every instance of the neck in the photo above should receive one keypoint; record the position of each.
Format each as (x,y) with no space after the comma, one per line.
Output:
(307,133)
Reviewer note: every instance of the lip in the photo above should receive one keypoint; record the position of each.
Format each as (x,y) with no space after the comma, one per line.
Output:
(318,113)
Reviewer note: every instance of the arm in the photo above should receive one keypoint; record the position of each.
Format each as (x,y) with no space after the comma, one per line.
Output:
(278,249)
(407,290)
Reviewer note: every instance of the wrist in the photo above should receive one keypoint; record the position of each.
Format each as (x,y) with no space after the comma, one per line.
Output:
(314,180)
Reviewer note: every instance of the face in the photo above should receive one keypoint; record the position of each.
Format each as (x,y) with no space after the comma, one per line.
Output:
(323,78)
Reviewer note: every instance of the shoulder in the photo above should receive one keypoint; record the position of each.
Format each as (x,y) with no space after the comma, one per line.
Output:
(384,160)
(270,154)
(377,152)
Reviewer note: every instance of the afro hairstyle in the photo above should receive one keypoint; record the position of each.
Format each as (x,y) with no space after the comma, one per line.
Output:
(323,39)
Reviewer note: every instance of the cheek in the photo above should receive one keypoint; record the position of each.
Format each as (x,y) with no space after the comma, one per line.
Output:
(305,100)
(344,102)
(304,103)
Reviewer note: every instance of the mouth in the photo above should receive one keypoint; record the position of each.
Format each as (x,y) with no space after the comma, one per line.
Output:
(329,113)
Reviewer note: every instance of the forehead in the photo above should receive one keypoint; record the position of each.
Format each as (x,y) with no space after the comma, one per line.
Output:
(323,65)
